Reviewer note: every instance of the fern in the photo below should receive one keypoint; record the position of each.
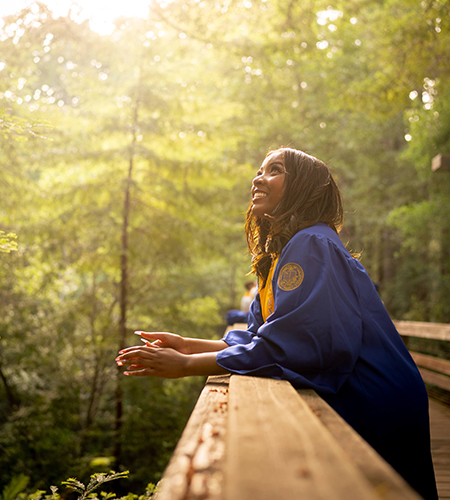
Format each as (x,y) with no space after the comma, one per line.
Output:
(14,490)
(96,481)
(16,486)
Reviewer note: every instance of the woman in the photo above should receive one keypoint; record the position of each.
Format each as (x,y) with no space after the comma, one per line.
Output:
(316,321)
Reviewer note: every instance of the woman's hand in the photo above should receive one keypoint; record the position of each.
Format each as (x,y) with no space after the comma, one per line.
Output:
(165,339)
(150,360)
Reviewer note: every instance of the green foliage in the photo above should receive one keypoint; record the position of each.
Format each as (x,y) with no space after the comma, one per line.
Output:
(15,128)
(16,486)
(15,489)
(97,480)
(7,242)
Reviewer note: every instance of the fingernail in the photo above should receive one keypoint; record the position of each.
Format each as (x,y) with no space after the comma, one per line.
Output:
(138,332)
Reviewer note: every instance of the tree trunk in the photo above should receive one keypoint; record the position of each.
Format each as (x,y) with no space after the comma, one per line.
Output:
(13,400)
(124,287)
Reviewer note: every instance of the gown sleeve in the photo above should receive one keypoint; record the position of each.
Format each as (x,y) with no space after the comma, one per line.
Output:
(313,337)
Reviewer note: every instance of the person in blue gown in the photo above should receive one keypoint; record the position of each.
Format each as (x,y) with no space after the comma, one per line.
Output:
(316,321)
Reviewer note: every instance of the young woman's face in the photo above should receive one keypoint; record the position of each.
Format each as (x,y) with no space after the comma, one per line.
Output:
(268,185)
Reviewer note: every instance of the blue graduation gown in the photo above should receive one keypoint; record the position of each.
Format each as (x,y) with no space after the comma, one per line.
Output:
(330,332)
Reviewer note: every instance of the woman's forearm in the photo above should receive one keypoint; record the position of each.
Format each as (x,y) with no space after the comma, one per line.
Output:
(203,364)
(185,345)
(196,346)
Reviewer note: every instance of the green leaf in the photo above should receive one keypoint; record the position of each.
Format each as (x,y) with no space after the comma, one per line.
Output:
(74,484)
(16,486)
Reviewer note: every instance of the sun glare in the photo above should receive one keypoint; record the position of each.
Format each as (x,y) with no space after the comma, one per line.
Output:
(101,13)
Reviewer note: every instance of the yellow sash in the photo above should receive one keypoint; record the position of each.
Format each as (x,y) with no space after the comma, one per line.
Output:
(266,294)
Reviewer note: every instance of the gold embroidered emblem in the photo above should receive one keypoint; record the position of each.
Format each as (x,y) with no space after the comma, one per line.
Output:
(291,277)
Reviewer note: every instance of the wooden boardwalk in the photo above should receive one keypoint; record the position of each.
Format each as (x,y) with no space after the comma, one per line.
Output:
(440,446)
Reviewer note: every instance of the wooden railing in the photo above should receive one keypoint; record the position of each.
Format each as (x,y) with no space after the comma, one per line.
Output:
(435,371)
(252,438)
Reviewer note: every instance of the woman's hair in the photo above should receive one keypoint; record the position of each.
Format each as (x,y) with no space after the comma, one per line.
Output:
(310,196)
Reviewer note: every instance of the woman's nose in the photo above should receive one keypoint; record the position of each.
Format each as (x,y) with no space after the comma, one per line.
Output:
(258,179)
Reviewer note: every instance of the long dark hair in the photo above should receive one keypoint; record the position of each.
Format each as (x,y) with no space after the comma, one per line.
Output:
(310,196)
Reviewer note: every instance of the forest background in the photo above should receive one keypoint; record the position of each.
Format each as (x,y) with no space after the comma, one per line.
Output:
(126,163)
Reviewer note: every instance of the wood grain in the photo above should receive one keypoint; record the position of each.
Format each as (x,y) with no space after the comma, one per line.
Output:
(435,378)
(431,362)
(440,446)
(278,448)
(195,470)
(383,478)
(438,331)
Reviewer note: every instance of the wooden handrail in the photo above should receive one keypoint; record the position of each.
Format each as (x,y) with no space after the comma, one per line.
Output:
(437,331)
(435,371)
(252,438)
(432,363)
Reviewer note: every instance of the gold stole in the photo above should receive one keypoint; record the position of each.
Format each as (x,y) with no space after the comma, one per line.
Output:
(266,294)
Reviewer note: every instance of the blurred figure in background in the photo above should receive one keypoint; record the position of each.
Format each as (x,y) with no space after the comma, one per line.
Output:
(241,315)
(248,296)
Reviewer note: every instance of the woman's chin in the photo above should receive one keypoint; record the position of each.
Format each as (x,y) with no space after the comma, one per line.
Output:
(258,211)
